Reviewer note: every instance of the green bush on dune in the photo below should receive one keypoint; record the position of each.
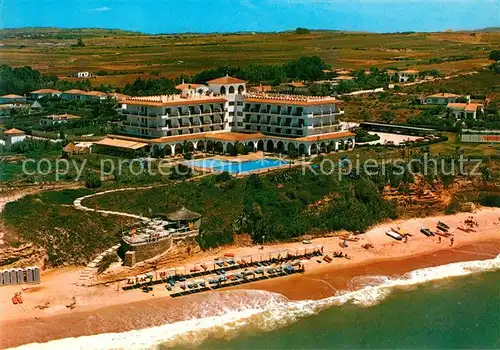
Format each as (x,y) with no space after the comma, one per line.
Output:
(261,207)
(68,235)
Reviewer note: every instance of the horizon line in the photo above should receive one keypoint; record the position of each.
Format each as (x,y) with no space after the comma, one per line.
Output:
(493,29)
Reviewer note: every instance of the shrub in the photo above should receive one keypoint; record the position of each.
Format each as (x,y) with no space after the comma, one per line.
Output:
(490,200)
(92,180)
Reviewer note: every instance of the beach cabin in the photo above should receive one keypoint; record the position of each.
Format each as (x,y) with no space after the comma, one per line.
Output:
(29,274)
(6,277)
(36,275)
(20,275)
(13,277)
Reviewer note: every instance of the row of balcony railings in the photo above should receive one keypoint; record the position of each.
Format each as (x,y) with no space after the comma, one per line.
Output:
(286,113)
(194,130)
(172,115)
(286,132)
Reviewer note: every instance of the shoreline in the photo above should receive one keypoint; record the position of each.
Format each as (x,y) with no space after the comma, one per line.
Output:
(159,311)
(106,309)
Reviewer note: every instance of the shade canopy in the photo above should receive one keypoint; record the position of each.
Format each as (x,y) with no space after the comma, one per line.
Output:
(183,214)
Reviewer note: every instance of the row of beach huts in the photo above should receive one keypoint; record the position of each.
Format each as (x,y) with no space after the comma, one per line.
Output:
(20,275)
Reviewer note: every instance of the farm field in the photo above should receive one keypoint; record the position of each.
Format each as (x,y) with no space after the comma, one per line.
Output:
(126,55)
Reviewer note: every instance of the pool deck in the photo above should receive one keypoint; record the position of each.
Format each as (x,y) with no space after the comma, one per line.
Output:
(245,158)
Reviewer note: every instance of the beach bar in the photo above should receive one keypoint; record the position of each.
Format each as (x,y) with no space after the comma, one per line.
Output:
(145,240)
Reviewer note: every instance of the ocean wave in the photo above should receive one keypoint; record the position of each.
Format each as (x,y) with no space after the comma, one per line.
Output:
(274,313)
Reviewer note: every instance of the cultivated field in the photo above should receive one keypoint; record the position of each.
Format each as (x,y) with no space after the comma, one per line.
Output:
(132,55)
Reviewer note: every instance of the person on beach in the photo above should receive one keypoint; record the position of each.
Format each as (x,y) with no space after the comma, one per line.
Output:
(406,238)
(452,240)
(439,239)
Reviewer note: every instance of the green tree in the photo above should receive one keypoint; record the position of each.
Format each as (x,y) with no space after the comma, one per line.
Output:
(494,55)
(80,43)
(301,30)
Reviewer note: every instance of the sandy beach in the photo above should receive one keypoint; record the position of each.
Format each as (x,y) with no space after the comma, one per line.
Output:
(45,314)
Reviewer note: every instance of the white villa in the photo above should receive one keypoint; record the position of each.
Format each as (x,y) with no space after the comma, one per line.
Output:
(465,110)
(221,114)
(13,135)
(444,98)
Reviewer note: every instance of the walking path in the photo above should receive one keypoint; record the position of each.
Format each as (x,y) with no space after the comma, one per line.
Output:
(78,202)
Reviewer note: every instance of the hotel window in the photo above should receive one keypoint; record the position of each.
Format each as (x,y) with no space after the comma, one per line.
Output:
(239,103)
(240,124)
(231,103)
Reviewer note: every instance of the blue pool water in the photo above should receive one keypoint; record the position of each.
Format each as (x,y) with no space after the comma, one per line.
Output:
(237,167)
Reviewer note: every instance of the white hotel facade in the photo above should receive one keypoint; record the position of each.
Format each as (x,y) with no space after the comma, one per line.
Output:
(223,113)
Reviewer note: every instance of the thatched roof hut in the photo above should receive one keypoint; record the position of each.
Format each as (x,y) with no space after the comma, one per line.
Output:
(183,214)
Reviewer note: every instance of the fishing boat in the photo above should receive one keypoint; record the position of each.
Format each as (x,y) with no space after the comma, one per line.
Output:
(440,223)
(426,232)
(394,235)
(442,228)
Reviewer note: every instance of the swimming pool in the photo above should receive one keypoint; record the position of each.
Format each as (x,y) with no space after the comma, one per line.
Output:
(236,167)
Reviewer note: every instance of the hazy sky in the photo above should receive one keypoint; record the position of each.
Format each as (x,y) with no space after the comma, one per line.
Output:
(168,16)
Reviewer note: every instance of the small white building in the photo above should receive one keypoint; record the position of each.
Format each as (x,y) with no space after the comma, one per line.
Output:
(82,75)
(403,75)
(465,110)
(14,135)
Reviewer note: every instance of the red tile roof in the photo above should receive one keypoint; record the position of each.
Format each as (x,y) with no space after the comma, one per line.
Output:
(329,136)
(14,132)
(12,96)
(187,86)
(226,80)
(296,84)
(46,91)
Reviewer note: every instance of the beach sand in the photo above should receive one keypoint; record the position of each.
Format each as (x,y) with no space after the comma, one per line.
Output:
(107,309)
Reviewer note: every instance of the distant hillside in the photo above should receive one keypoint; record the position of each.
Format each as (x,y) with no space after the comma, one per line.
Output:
(61,33)
(489,30)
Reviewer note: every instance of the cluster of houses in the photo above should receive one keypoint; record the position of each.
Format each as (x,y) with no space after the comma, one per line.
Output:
(460,106)
(75,94)
(225,112)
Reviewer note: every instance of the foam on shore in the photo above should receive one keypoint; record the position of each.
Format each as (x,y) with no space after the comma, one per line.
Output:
(274,312)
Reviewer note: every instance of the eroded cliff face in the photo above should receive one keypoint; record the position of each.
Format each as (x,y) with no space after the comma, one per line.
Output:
(27,254)
(422,198)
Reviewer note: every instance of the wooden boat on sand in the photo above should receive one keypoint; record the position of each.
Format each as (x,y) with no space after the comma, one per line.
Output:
(394,235)
(426,232)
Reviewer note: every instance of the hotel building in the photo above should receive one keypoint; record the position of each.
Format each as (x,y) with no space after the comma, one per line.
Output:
(222,114)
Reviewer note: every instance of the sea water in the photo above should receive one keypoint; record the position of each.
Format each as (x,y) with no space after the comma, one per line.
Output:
(449,306)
